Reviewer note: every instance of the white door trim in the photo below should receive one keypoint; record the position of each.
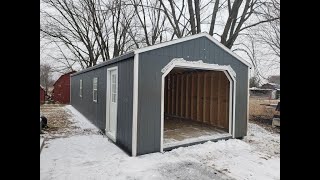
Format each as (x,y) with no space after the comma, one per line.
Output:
(180,62)
(112,137)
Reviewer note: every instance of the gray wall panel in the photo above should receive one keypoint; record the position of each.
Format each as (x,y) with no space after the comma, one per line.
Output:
(96,112)
(149,100)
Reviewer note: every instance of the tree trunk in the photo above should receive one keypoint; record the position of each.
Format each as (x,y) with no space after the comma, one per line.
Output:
(232,17)
(192,21)
(197,9)
(214,15)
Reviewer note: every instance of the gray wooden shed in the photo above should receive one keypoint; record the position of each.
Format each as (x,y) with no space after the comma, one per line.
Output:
(172,94)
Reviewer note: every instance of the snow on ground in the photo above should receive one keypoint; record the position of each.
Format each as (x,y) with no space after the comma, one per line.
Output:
(172,142)
(41,141)
(262,140)
(93,156)
(78,119)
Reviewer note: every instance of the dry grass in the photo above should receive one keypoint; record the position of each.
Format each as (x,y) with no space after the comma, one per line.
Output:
(261,113)
(59,123)
(259,107)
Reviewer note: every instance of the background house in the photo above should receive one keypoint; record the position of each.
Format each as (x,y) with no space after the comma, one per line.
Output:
(42,95)
(270,86)
(61,89)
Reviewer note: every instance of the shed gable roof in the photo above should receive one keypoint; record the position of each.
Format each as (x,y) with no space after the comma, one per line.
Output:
(63,76)
(187,38)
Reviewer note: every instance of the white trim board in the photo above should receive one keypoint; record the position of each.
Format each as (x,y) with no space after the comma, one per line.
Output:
(187,38)
(135,104)
(248,94)
(180,62)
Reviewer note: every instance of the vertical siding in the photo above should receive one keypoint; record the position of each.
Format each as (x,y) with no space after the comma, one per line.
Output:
(149,100)
(96,111)
(42,96)
(61,91)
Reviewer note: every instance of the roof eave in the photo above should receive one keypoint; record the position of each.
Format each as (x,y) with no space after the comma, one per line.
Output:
(187,38)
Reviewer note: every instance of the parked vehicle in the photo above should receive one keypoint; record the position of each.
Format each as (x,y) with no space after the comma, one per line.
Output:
(43,122)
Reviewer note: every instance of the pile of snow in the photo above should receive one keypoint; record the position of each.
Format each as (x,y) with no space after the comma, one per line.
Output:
(79,120)
(41,141)
(262,140)
(173,142)
(95,157)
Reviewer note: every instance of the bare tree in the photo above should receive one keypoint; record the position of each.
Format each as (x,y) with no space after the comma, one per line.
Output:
(46,76)
(88,31)
(71,24)
(149,13)
(197,10)
(191,14)
(254,81)
(214,15)
(269,33)
(173,18)
(239,13)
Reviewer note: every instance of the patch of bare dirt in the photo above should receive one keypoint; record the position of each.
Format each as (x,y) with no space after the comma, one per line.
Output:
(60,123)
(261,113)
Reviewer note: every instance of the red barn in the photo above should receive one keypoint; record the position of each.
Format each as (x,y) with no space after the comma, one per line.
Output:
(42,95)
(61,89)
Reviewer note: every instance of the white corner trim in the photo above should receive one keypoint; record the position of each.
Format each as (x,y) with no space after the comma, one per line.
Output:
(248,107)
(187,38)
(230,101)
(135,104)
(180,62)
(234,108)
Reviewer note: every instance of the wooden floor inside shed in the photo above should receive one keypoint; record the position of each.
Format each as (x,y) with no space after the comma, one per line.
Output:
(178,131)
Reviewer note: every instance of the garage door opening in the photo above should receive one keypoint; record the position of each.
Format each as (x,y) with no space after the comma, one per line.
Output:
(197,106)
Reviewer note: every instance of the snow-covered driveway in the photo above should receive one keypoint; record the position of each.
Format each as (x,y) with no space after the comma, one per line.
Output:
(92,156)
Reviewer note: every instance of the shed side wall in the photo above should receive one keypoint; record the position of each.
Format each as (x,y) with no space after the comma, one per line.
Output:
(96,111)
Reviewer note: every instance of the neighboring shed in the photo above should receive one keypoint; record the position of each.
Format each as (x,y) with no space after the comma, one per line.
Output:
(264,93)
(61,89)
(42,95)
(175,93)
(270,86)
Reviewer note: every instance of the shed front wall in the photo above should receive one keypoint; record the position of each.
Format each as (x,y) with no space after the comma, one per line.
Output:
(96,111)
(149,85)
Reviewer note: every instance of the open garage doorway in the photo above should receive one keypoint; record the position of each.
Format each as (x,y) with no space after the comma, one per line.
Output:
(197,106)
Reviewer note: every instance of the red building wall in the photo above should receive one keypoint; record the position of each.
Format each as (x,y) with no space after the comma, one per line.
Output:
(61,91)
(42,95)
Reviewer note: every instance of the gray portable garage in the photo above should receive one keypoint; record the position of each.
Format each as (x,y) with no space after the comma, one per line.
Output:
(172,94)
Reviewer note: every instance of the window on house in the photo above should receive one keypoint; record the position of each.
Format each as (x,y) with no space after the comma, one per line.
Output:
(95,89)
(80,90)
(113,88)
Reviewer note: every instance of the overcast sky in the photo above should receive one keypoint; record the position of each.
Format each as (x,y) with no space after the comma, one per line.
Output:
(265,63)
